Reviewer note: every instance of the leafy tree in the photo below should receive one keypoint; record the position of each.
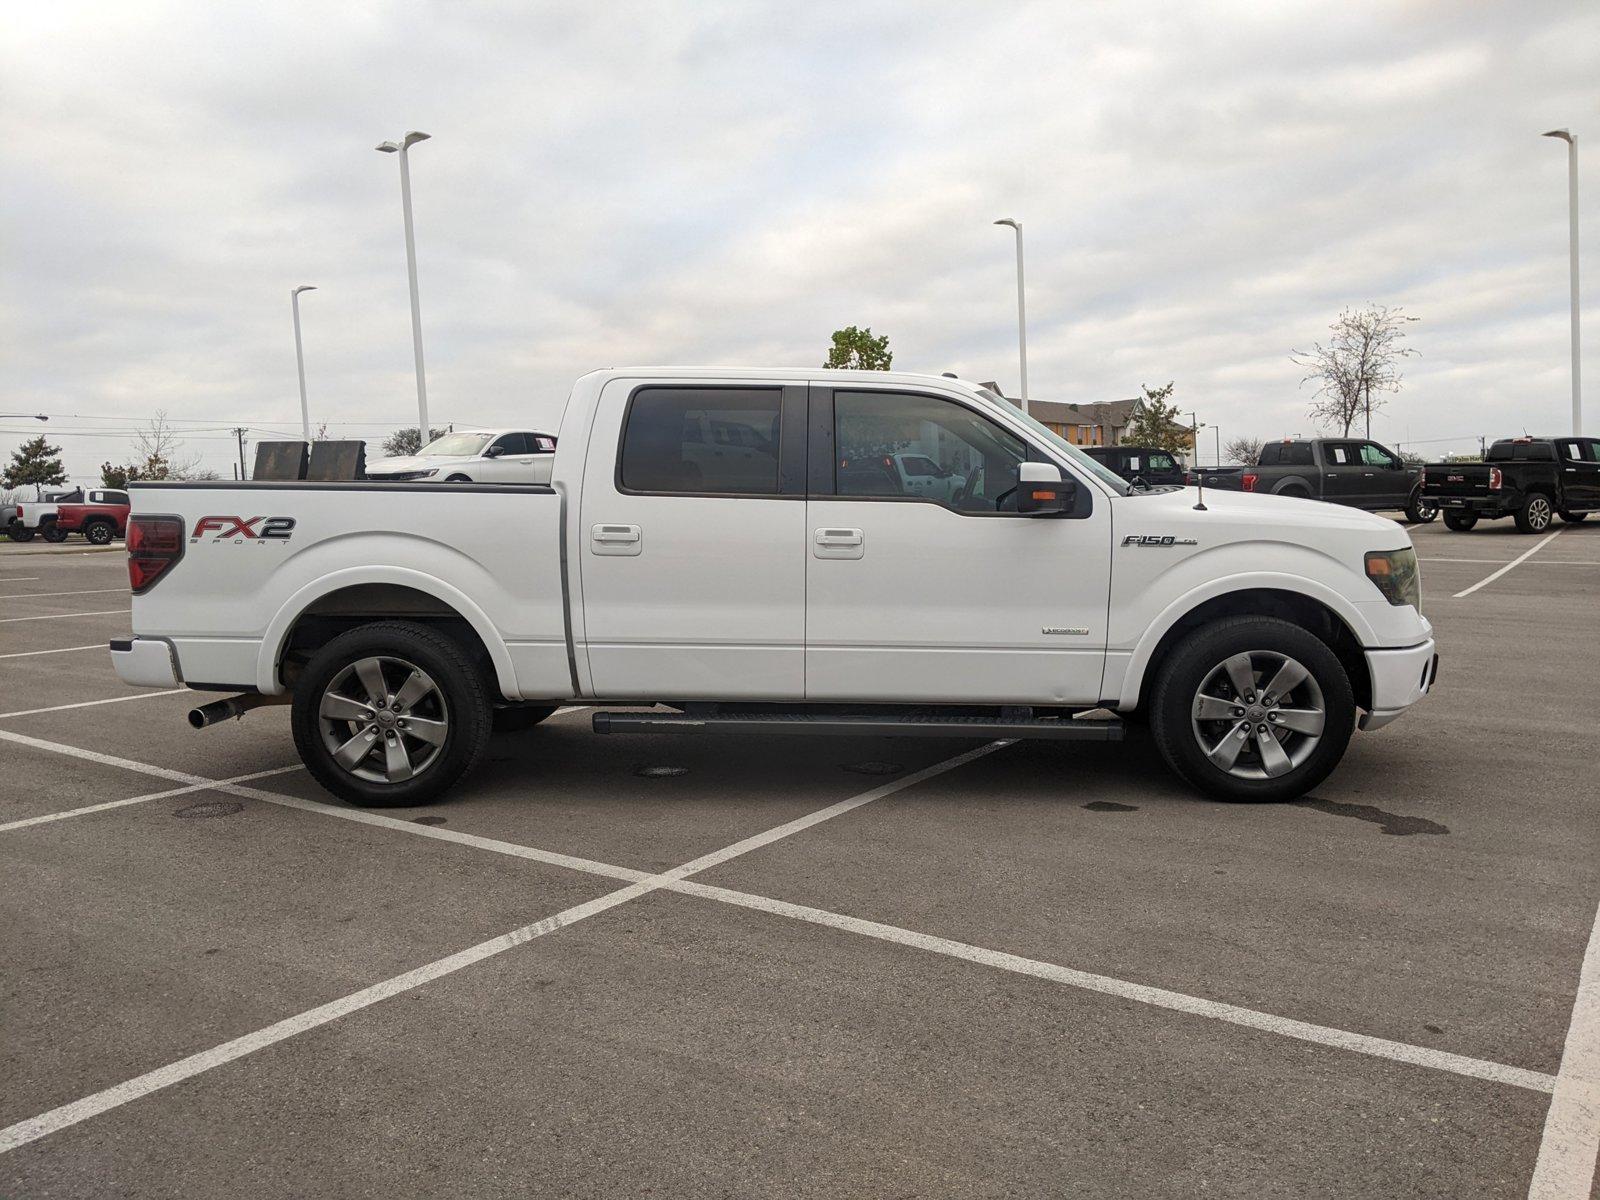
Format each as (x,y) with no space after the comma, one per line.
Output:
(1360,358)
(1412,459)
(116,477)
(857,350)
(406,441)
(1245,450)
(1155,423)
(34,461)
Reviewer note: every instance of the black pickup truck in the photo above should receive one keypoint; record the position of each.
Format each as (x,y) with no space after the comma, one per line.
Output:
(1531,479)
(1349,471)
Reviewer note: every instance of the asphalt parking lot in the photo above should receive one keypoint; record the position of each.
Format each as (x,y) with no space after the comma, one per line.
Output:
(867,967)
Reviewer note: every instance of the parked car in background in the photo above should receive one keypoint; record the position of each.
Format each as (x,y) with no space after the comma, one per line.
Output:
(30,494)
(1528,478)
(101,516)
(1140,464)
(1349,471)
(39,517)
(474,456)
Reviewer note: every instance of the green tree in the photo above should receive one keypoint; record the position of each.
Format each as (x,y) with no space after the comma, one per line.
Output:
(34,461)
(406,441)
(1156,423)
(857,350)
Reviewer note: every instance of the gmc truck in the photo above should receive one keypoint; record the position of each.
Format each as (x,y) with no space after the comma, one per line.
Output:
(676,590)
(1348,471)
(1530,479)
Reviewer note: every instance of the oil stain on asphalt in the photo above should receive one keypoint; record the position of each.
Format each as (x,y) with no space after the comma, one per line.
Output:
(1392,823)
(1109,806)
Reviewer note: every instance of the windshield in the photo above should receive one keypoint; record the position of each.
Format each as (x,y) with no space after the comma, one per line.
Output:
(456,445)
(1056,442)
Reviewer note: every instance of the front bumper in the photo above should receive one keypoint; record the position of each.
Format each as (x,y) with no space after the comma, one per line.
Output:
(146,662)
(1399,679)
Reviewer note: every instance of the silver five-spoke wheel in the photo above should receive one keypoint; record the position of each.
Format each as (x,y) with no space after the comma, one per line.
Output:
(1258,715)
(383,719)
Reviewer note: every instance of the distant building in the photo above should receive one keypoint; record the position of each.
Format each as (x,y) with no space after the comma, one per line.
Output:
(1097,424)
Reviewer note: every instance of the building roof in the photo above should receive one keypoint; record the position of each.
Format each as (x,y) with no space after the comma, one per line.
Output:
(1111,413)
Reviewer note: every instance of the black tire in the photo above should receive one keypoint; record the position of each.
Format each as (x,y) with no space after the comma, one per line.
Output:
(514,718)
(464,706)
(458,479)
(1420,510)
(1535,513)
(1193,663)
(18,532)
(1572,518)
(100,533)
(52,533)
(1296,493)
(1460,521)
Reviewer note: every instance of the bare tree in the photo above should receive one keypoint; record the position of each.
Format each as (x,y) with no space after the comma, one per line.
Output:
(1360,359)
(1246,450)
(155,447)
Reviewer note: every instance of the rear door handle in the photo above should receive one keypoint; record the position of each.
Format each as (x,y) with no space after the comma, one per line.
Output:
(622,540)
(838,543)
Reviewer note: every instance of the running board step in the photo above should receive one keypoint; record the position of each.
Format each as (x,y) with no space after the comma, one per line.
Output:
(1061,729)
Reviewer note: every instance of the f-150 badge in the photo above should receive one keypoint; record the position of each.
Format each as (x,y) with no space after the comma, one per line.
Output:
(1157,539)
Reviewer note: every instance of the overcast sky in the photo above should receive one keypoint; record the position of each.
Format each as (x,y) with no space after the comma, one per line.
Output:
(1203,187)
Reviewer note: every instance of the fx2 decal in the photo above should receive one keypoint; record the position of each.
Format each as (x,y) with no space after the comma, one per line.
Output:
(1153,539)
(244,529)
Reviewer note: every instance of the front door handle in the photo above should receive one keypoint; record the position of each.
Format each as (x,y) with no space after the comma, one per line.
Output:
(838,543)
(622,540)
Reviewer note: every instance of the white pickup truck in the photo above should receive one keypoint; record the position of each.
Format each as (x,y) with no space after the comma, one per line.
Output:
(707,555)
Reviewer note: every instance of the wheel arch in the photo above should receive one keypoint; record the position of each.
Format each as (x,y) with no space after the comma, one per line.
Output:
(358,596)
(1338,627)
(1296,483)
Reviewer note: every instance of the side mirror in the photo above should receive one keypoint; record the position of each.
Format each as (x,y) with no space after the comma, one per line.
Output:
(1041,490)
(494,451)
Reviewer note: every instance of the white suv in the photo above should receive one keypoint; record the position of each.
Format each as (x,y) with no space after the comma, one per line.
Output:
(474,456)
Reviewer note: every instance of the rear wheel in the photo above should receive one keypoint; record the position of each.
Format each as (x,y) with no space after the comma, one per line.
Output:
(1420,509)
(391,714)
(1534,513)
(1296,493)
(1572,518)
(1460,521)
(99,533)
(51,532)
(18,532)
(1252,708)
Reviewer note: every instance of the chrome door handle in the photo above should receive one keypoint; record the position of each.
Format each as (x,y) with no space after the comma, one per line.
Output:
(839,537)
(622,540)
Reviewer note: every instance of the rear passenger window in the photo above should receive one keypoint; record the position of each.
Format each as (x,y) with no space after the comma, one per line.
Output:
(1342,455)
(702,440)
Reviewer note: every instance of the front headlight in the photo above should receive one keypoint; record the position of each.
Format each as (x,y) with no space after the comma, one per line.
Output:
(1395,574)
(403,476)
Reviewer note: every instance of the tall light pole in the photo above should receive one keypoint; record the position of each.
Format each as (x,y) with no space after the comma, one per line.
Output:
(300,358)
(1571,139)
(1022,310)
(411,139)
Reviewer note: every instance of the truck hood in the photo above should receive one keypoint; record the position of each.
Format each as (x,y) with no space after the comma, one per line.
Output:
(1283,518)
(404,462)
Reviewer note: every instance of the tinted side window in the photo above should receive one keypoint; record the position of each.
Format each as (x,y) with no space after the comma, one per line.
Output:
(1270,455)
(1296,454)
(1593,446)
(1571,451)
(702,440)
(1162,462)
(512,443)
(116,497)
(980,458)
(1340,454)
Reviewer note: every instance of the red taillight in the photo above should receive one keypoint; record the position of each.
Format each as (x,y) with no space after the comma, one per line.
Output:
(154,544)
(1248,482)
(1495,479)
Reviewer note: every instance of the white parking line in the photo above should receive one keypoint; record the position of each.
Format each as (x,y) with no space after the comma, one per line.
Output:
(1359,1043)
(19,579)
(36,595)
(28,822)
(1571,1143)
(1521,558)
(67,1115)
(1543,562)
(33,712)
(108,612)
(62,650)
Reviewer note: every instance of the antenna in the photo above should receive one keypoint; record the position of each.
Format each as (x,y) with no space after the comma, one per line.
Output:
(1200,482)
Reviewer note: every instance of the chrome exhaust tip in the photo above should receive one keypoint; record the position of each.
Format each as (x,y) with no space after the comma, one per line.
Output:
(234,706)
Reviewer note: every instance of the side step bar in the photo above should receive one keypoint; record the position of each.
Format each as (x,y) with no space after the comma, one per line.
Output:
(1061,729)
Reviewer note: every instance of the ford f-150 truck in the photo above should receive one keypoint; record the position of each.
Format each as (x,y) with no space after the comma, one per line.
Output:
(1349,471)
(779,591)
(1530,479)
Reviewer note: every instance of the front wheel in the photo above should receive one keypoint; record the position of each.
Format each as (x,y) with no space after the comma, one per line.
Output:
(391,714)
(1420,509)
(1252,708)
(1534,513)
(1572,518)
(1460,521)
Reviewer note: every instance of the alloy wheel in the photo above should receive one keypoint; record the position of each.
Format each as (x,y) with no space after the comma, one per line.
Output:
(383,719)
(1258,715)
(1538,514)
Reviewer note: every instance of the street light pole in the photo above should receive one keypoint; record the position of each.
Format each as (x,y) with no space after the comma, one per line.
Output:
(1571,139)
(300,358)
(1022,311)
(401,148)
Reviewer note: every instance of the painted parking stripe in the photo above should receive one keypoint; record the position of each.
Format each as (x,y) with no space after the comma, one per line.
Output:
(48,818)
(1571,1142)
(107,612)
(34,1128)
(37,595)
(1325,1035)
(1543,562)
(33,712)
(19,579)
(1521,558)
(62,650)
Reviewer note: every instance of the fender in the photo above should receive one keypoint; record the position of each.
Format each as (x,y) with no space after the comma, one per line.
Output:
(1133,679)
(1295,481)
(277,632)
